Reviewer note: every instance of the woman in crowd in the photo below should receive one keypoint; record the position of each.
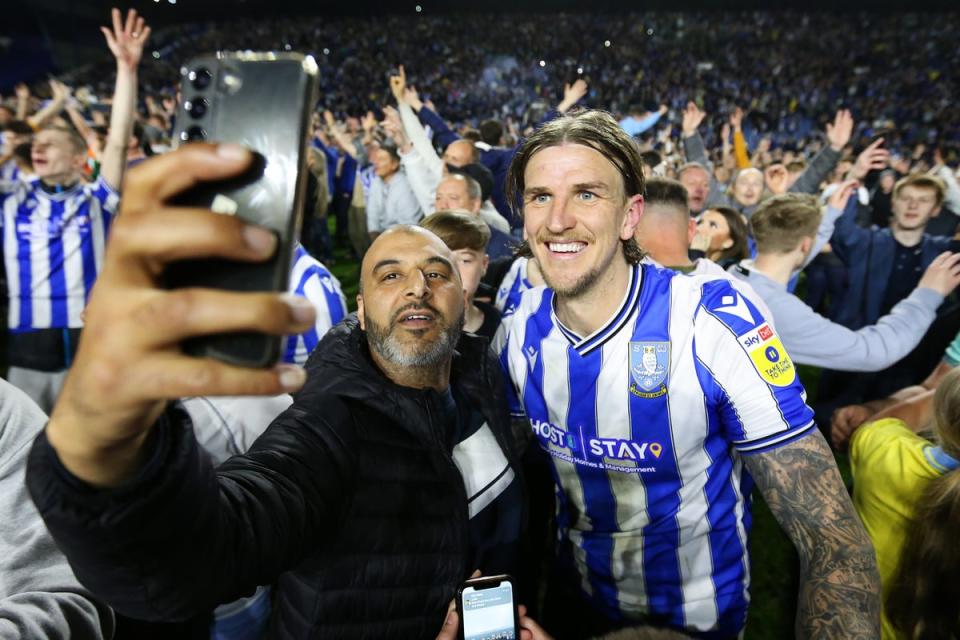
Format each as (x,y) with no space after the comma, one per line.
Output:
(721,237)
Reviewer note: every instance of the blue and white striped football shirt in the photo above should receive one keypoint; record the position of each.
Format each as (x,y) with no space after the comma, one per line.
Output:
(311,280)
(646,422)
(512,287)
(10,171)
(53,250)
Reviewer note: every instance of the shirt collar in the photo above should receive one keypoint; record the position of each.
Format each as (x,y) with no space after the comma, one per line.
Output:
(583,346)
(941,460)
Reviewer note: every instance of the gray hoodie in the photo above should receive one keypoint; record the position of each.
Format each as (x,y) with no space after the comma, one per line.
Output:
(812,339)
(39,595)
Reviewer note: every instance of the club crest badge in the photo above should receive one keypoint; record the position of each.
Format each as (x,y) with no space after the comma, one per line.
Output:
(649,364)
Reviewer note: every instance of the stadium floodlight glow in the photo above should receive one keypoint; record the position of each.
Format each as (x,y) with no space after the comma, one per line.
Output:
(579,71)
(326,51)
(419,8)
(606,43)
(172,1)
(287,47)
(649,32)
(543,63)
(156,54)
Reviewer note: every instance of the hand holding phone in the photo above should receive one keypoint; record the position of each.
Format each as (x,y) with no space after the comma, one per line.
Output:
(488,609)
(264,102)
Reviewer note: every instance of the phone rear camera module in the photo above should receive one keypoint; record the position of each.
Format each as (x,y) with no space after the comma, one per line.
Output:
(197,107)
(200,78)
(193,134)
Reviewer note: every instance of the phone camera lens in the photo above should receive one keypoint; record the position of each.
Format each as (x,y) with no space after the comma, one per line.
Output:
(200,78)
(193,134)
(196,107)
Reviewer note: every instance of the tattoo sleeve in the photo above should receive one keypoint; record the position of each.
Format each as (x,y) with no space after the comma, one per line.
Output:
(839,583)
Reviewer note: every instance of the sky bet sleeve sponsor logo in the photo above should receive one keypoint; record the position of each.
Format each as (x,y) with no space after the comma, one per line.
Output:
(627,456)
(768,356)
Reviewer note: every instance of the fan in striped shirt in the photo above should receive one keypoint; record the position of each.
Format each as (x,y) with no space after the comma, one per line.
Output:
(660,399)
(55,228)
(313,281)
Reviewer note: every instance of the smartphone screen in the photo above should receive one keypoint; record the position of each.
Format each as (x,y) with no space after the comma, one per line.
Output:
(488,613)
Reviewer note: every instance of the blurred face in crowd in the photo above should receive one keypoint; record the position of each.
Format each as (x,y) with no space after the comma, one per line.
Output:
(459,153)
(452,193)
(472,264)
(715,226)
(842,169)
(384,164)
(412,301)
(697,182)
(54,157)
(721,175)
(886,182)
(14,140)
(748,187)
(371,148)
(576,215)
(6,115)
(913,207)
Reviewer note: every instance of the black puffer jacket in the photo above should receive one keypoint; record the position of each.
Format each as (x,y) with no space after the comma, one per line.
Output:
(351,498)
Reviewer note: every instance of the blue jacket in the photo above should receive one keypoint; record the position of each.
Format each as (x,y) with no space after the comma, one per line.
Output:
(868,255)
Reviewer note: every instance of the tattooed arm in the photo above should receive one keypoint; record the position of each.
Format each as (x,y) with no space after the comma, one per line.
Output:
(839,583)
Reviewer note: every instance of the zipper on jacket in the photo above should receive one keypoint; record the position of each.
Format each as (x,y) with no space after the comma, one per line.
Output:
(464,515)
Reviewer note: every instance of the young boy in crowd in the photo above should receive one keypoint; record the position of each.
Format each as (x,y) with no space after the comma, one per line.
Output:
(467,236)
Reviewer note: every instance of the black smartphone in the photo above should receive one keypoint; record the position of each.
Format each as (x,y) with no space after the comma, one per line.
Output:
(262,101)
(488,609)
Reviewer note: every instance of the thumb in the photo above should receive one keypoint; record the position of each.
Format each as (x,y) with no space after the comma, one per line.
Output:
(450,625)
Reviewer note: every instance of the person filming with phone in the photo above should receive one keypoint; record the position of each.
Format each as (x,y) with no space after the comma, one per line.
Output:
(390,478)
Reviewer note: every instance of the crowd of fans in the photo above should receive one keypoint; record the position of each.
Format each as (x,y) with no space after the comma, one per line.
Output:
(807,161)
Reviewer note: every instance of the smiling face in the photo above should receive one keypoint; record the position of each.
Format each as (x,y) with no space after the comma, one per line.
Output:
(715,226)
(748,187)
(412,301)
(575,216)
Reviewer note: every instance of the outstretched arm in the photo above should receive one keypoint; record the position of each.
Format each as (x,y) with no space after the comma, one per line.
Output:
(839,584)
(126,42)
(77,118)
(838,135)
(339,135)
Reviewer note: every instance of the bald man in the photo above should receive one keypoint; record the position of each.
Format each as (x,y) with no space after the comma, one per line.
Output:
(386,483)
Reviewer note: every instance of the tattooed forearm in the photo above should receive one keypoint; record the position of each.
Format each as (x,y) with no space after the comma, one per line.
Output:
(839,586)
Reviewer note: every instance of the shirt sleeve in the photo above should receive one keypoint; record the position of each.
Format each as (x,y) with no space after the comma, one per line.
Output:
(888,450)
(740,150)
(107,196)
(881,433)
(501,348)
(746,374)
(403,207)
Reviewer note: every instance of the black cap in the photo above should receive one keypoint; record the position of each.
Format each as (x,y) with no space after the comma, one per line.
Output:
(480,173)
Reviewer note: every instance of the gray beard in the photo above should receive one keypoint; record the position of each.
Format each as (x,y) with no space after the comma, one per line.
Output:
(384,342)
